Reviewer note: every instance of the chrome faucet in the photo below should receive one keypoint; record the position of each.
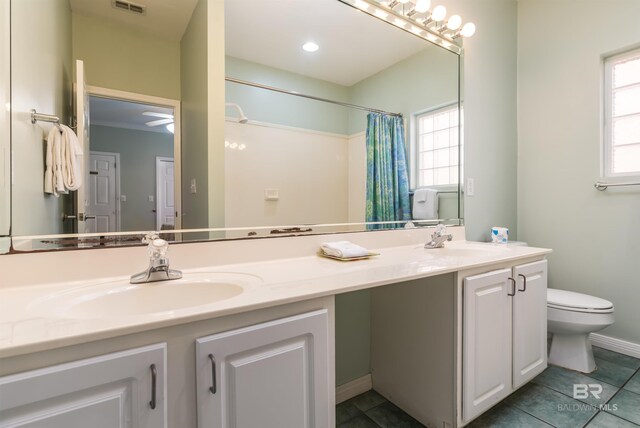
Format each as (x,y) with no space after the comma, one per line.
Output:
(439,237)
(158,269)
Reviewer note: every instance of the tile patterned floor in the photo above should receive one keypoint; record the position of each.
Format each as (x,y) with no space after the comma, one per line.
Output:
(546,401)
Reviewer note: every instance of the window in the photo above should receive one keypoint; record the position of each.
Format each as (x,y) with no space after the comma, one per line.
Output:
(436,147)
(621,142)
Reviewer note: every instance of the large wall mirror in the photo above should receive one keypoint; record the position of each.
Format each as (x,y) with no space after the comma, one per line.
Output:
(316,94)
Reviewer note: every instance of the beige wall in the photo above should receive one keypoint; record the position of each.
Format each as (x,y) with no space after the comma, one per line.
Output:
(309,170)
(41,80)
(215,111)
(594,235)
(193,69)
(122,58)
(5,118)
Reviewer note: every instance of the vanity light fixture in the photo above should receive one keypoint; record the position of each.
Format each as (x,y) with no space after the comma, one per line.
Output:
(416,17)
(310,47)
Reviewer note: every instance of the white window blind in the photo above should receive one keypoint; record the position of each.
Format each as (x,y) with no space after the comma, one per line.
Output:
(621,146)
(437,150)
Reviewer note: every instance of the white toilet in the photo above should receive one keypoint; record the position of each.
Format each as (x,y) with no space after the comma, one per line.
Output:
(571,317)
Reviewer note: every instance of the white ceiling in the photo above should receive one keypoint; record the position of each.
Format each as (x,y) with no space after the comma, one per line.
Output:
(167,19)
(353,45)
(124,114)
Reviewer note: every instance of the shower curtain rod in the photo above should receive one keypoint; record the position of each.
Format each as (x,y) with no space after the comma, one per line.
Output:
(311,97)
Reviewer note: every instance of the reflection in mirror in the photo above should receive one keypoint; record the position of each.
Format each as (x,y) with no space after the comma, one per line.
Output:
(285,160)
(5,129)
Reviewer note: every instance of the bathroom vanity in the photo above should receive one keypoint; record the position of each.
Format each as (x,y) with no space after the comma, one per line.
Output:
(454,331)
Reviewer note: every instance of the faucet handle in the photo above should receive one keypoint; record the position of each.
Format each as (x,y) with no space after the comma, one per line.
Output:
(149,237)
(441,230)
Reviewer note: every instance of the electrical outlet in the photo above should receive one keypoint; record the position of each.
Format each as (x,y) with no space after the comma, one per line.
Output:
(193,185)
(123,198)
(471,187)
(151,198)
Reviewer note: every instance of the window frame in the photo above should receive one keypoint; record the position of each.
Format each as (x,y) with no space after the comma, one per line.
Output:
(415,140)
(606,155)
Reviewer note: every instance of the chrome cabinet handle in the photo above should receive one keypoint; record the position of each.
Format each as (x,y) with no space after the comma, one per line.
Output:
(213,387)
(154,376)
(514,287)
(524,285)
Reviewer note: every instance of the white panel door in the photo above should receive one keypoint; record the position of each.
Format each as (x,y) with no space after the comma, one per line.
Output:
(271,375)
(486,361)
(165,182)
(81,112)
(529,322)
(111,391)
(103,194)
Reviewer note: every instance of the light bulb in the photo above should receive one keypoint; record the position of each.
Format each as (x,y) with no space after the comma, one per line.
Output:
(439,13)
(454,22)
(310,47)
(423,6)
(381,14)
(468,29)
(360,4)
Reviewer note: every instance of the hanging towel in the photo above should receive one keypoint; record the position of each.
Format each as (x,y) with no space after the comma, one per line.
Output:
(72,156)
(63,161)
(425,204)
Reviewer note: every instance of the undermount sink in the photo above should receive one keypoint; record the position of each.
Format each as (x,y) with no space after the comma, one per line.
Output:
(122,299)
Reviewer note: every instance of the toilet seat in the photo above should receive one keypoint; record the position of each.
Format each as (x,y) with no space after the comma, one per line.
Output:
(577,302)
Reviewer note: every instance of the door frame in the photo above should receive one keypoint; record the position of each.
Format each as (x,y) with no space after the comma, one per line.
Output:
(97,91)
(118,194)
(160,159)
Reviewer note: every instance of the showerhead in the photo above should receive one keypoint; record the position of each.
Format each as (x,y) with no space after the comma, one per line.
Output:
(243,118)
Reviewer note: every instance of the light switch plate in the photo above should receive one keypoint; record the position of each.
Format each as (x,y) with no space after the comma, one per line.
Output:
(471,187)
(151,198)
(271,194)
(123,198)
(193,185)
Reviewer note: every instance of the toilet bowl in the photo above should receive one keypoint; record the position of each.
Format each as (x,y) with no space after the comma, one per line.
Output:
(571,317)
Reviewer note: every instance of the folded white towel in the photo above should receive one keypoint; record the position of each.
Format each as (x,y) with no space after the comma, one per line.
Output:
(425,204)
(71,159)
(343,249)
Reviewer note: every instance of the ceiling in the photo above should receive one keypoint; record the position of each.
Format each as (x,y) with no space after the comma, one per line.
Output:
(353,45)
(125,114)
(167,19)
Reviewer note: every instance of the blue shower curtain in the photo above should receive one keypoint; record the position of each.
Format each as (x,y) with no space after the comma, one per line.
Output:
(387,177)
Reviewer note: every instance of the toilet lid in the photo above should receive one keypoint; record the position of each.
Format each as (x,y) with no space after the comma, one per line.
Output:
(569,299)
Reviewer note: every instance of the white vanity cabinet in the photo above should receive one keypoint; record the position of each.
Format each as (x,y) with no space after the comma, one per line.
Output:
(271,375)
(504,334)
(123,389)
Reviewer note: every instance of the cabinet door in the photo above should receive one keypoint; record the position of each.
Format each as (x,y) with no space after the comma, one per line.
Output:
(529,322)
(486,366)
(109,391)
(270,375)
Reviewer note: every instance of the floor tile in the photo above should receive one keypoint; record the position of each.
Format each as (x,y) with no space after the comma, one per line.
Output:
(368,400)
(552,407)
(625,405)
(615,357)
(346,411)
(361,421)
(605,420)
(505,416)
(563,380)
(611,373)
(634,383)
(387,415)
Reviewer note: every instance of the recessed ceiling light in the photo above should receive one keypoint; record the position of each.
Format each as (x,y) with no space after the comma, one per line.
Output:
(310,47)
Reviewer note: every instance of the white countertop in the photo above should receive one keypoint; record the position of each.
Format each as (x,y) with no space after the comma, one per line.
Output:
(24,328)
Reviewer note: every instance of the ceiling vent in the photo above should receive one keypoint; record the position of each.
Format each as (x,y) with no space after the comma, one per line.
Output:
(130,7)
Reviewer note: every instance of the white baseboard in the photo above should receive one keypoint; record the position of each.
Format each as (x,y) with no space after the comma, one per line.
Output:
(616,345)
(353,388)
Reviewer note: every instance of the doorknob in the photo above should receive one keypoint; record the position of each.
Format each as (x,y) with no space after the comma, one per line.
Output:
(153,211)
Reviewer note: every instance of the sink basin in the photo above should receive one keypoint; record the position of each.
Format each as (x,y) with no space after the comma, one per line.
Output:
(122,299)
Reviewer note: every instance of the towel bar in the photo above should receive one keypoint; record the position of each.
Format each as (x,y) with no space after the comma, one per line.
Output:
(603,186)
(41,117)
